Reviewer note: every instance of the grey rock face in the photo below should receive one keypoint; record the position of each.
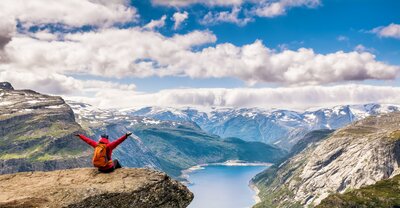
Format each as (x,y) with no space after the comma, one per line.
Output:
(357,155)
(37,133)
(6,86)
(86,188)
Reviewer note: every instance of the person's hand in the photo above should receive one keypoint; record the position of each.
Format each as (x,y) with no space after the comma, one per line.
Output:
(128,134)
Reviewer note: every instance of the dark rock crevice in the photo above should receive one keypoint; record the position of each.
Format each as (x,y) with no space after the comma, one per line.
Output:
(5,85)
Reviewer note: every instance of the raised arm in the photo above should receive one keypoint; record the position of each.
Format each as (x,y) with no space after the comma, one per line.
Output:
(87,140)
(115,143)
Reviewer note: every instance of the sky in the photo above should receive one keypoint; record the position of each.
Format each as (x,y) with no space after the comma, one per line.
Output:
(291,54)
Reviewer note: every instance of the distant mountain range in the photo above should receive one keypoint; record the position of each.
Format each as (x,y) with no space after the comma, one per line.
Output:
(278,127)
(175,145)
(37,133)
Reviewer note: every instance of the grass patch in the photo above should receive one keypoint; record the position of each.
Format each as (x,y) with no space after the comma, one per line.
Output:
(57,129)
(44,157)
(12,156)
(395,135)
(359,130)
(384,193)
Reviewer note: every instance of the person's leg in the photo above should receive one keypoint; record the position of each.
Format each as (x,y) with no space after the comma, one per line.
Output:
(107,170)
(116,164)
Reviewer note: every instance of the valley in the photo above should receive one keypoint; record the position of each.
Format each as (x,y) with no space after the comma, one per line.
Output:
(314,163)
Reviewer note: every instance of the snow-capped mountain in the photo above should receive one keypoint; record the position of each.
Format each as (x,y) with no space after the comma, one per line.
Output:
(88,115)
(280,127)
(168,145)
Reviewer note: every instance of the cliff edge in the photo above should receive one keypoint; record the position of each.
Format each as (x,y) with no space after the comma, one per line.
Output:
(353,157)
(86,187)
(37,133)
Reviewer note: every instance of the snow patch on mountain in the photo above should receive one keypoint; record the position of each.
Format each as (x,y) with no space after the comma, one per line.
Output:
(272,126)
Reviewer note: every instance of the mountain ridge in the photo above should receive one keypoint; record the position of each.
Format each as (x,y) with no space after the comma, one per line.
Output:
(357,155)
(274,126)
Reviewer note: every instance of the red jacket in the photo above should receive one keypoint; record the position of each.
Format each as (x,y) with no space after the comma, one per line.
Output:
(110,146)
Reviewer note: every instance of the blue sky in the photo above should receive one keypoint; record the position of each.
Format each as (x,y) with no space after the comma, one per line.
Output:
(332,26)
(316,28)
(218,51)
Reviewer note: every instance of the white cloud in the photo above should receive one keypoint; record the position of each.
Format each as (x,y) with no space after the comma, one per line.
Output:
(102,53)
(148,53)
(361,48)
(59,84)
(71,13)
(45,35)
(184,3)
(390,31)
(267,8)
(261,8)
(179,18)
(226,16)
(7,30)
(50,62)
(342,38)
(288,98)
(156,23)
(256,63)
(195,38)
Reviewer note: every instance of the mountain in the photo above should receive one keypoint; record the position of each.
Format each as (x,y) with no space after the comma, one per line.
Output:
(36,132)
(87,188)
(173,145)
(360,154)
(308,140)
(279,127)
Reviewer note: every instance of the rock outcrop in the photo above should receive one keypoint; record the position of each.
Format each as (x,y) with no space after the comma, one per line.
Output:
(85,188)
(358,155)
(37,133)
(6,86)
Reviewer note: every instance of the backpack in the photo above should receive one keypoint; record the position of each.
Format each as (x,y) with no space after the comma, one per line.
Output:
(100,159)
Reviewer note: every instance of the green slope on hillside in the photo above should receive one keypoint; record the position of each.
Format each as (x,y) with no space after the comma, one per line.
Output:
(37,133)
(385,193)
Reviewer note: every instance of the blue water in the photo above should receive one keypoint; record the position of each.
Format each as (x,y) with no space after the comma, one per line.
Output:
(219,186)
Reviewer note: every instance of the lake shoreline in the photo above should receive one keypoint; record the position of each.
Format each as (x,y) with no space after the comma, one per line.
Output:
(185,173)
(253,187)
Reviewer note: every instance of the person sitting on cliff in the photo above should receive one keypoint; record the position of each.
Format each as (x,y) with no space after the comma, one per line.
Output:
(103,151)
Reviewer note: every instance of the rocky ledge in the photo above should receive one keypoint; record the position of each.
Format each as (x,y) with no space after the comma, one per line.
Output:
(75,188)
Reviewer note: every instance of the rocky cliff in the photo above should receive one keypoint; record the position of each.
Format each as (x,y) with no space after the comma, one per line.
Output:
(355,156)
(36,133)
(78,188)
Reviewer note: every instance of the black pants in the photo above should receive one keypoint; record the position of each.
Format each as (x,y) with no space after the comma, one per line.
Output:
(116,166)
